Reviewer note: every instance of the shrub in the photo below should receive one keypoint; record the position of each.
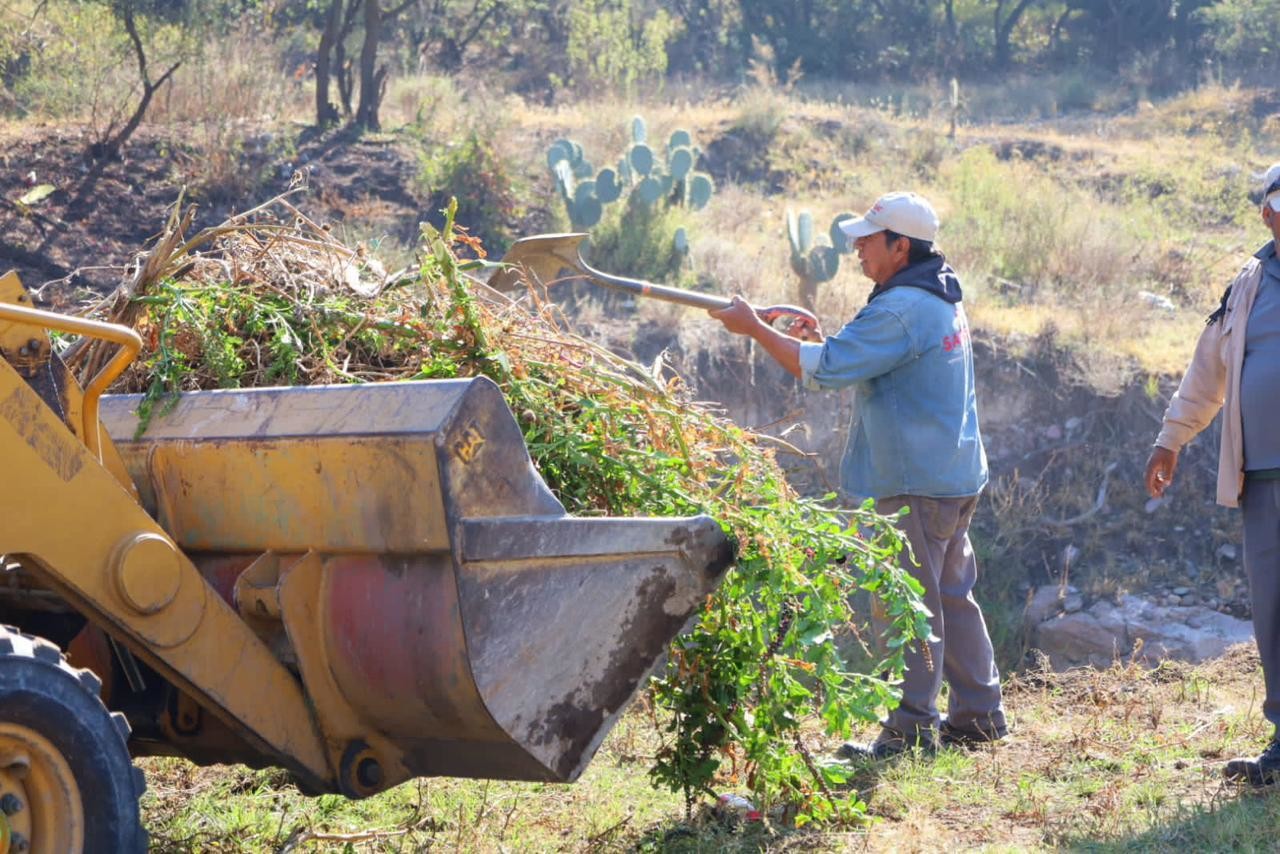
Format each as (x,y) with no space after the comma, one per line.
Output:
(1243,34)
(638,210)
(1007,227)
(609,50)
(234,76)
(473,170)
(80,37)
(763,103)
(637,242)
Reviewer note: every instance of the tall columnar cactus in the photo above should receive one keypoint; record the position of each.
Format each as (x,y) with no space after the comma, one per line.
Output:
(815,258)
(644,177)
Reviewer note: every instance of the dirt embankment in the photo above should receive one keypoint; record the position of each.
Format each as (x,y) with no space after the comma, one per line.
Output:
(91,218)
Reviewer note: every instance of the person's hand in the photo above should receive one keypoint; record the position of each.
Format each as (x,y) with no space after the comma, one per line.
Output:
(738,317)
(1160,468)
(805,329)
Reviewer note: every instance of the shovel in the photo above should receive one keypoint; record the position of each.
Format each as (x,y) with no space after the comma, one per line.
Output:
(543,256)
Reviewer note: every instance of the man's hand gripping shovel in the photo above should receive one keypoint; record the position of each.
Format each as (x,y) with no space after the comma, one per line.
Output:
(543,256)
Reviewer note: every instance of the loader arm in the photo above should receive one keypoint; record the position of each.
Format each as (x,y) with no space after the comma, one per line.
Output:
(72,523)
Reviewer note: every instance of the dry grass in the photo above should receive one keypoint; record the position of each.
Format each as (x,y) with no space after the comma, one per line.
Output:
(1120,759)
(1111,757)
(1062,222)
(229,81)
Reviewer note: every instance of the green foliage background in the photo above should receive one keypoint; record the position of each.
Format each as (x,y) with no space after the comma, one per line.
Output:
(556,49)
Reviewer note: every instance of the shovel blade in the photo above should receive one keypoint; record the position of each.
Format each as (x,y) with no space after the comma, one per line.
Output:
(538,259)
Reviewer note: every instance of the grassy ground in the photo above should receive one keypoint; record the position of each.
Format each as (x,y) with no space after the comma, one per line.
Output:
(1123,759)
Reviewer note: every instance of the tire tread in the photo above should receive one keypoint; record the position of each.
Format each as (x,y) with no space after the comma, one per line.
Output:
(15,644)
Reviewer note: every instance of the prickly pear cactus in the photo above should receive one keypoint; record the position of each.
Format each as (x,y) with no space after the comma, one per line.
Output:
(641,159)
(680,240)
(644,176)
(608,186)
(573,174)
(815,258)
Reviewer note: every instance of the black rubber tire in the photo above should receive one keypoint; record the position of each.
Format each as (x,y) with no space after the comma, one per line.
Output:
(39,690)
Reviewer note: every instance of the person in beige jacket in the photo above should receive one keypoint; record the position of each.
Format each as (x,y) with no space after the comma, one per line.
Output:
(1236,369)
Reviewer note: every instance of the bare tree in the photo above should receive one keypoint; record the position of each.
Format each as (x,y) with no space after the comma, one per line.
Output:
(373,77)
(326,112)
(111,139)
(336,26)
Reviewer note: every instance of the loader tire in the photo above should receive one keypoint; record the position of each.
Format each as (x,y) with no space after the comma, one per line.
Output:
(66,777)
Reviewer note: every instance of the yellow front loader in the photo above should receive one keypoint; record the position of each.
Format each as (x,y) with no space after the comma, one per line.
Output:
(360,584)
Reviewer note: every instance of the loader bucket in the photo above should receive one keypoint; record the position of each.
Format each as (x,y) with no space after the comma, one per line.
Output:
(461,616)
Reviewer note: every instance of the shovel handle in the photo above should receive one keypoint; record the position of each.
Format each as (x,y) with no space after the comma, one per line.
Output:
(803,320)
(641,288)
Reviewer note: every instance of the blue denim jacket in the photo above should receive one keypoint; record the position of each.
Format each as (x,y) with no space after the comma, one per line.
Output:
(908,355)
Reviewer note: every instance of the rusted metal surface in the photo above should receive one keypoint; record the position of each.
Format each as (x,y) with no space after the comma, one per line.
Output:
(514,667)
(367,761)
(335,469)
(596,603)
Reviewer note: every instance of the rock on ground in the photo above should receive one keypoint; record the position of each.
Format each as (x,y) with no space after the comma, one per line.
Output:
(1129,628)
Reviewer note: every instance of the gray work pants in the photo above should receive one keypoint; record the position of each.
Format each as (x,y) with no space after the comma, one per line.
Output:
(1261,506)
(960,652)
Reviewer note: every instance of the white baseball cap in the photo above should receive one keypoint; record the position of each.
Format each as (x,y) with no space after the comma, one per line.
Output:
(1271,187)
(904,213)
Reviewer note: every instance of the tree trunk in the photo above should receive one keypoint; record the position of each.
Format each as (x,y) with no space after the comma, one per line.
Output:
(110,144)
(370,77)
(346,80)
(951,50)
(326,113)
(1004,30)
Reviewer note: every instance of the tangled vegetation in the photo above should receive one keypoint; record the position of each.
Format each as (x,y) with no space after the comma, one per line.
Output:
(258,302)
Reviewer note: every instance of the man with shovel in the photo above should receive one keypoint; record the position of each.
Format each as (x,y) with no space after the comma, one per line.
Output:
(913,443)
(1236,369)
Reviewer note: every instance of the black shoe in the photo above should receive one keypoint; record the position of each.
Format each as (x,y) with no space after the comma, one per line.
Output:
(1263,771)
(950,735)
(889,744)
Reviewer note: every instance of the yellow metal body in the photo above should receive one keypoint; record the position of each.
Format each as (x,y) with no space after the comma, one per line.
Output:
(25,344)
(73,524)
